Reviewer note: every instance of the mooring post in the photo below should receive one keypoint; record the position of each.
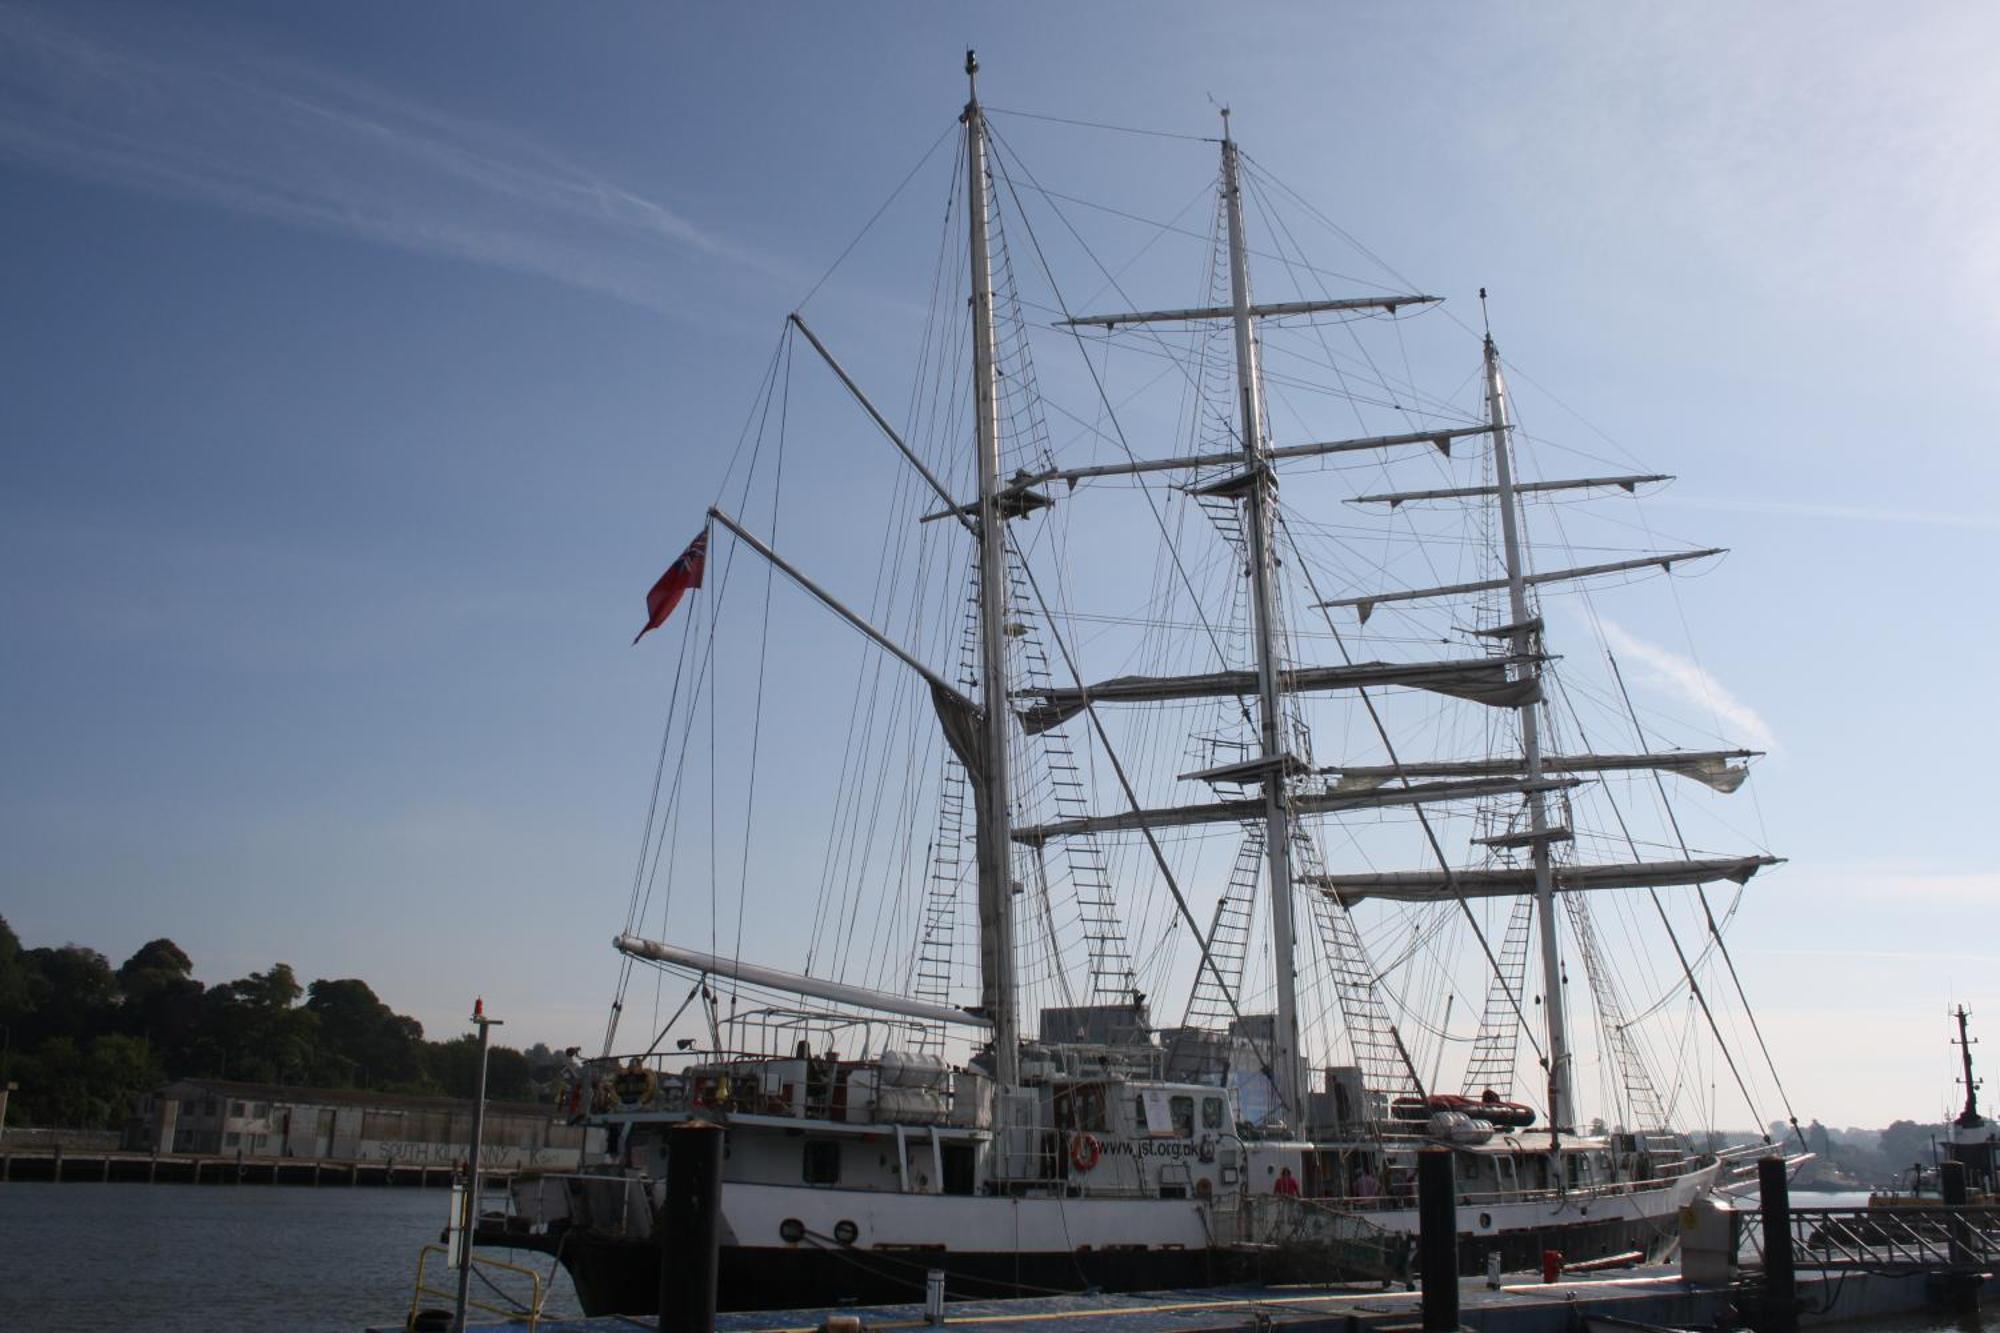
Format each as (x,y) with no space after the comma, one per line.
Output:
(1437,1238)
(1951,1183)
(469,1220)
(1781,1303)
(690,1228)
(1958,1288)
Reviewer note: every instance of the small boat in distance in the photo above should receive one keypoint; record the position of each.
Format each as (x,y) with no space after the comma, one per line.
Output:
(1971,1140)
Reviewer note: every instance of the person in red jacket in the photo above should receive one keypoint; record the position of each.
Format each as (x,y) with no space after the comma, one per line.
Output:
(1286,1184)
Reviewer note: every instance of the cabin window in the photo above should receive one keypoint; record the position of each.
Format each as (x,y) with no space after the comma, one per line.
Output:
(1211,1113)
(1082,1108)
(1183,1108)
(822,1162)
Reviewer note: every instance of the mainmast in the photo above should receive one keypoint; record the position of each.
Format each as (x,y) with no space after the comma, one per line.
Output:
(995,844)
(1525,632)
(1259,493)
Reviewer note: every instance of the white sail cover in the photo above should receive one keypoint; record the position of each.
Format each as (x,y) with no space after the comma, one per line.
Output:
(1485,680)
(1422,886)
(1711,768)
(1300,802)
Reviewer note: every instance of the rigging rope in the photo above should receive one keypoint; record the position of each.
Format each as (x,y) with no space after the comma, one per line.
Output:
(1430,835)
(1709,916)
(1100,125)
(875,217)
(1132,799)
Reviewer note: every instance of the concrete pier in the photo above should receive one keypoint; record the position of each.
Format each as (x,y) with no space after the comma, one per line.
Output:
(95,1168)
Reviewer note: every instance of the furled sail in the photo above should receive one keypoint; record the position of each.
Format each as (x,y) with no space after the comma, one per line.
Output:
(1481,680)
(1300,803)
(1708,767)
(1423,886)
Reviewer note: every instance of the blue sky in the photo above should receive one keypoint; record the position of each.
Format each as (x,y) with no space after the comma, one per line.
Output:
(363,365)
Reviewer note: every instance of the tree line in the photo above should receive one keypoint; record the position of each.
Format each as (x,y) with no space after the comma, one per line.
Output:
(82,1040)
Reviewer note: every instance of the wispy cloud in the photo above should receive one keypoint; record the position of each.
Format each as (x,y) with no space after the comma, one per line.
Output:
(1689,681)
(1933,518)
(300,145)
(1902,881)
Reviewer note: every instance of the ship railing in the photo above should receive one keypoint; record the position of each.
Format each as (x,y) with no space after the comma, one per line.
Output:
(1471,1198)
(510,1308)
(726,1081)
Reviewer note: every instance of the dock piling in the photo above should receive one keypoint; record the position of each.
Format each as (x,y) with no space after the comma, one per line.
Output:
(1437,1238)
(1781,1304)
(690,1230)
(1958,1289)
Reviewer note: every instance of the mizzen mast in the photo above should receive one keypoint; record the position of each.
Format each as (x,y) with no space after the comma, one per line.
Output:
(995,844)
(1258,494)
(1525,630)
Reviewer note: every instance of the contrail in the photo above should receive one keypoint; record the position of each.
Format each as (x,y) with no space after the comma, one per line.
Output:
(284,141)
(1689,680)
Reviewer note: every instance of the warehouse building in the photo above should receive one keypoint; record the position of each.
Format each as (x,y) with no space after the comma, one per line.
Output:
(216,1117)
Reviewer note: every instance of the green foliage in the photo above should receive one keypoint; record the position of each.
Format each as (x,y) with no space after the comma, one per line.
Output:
(1907,1143)
(455,1068)
(85,1042)
(363,1043)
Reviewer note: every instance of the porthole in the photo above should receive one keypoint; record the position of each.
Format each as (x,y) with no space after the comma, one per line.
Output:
(846,1232)
(1486,1221)
(791,1231)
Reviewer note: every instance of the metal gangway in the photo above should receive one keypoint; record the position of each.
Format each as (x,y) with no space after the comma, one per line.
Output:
(1890,1240)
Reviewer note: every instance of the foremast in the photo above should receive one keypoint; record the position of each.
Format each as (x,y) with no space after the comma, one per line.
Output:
(990,780)
(1259,495)
(1523,632)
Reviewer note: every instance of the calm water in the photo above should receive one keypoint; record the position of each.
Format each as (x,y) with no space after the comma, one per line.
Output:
(184,1257)
(208,1257)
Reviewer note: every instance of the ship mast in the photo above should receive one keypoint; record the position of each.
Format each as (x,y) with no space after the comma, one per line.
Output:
(1524,633)
(1969,1117)
(995,844)
(1259,494)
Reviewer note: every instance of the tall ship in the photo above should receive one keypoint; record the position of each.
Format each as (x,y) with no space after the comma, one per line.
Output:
(1180,822)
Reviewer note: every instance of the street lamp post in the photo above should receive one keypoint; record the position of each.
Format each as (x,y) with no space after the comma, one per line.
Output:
(471,1214)
(6,1085)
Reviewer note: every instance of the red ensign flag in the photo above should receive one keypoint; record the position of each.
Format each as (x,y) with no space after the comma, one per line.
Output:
(683,574)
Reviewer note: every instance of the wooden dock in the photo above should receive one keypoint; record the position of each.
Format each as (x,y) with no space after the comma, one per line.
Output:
(1652,1297)
(101,1167)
